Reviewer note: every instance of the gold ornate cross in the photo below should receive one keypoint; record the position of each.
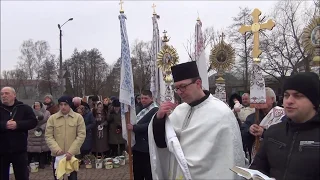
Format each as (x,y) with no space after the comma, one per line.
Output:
(255,27)
(154,9)
(121,9)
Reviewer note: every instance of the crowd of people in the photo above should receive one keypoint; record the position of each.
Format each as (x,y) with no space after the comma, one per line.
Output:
(201,138)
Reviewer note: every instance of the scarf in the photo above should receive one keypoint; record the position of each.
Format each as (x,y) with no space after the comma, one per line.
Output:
(273,117)
(145,111)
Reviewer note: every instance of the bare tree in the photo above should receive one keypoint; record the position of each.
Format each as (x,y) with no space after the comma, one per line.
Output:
(88,72)
(15,78)
(282,49)
(48,76)
(210,39)
(141,65)
(242,45)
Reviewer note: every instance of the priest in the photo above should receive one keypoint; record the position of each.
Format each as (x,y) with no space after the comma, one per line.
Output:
(198,139)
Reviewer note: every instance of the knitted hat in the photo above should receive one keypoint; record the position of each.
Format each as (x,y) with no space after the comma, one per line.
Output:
(48,96)
(306,83)
(66,99)
(116,103)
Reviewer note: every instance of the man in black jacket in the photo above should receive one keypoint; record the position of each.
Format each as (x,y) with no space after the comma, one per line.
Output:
(291,149)
(16,119)
(140,151)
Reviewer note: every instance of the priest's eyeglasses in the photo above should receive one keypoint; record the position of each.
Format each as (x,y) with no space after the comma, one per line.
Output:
(183,87)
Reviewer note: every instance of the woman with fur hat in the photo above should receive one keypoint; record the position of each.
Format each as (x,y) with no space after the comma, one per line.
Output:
(37,146)
(116,141)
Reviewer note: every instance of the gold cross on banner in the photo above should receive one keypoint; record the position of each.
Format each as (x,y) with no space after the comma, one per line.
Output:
(254,28)
(154,9)
(121,9)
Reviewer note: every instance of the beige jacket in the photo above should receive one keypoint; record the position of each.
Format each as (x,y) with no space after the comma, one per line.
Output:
(65,133)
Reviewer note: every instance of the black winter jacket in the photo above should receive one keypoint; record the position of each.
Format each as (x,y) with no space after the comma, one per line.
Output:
(15,141)
(290,151)
(141,132)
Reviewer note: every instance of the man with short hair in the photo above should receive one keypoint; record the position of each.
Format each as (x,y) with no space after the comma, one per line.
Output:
(242,111)
(203,126)
(268,116)
(141,156)
(65,133)
(16,119)
(77,101)
(291,149)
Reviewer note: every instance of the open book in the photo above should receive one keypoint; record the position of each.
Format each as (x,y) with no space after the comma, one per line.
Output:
(250,173)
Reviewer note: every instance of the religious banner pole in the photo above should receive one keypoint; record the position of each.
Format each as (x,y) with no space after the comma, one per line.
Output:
(200,55)
(167,58)
(126,95)
(157,85)
(221,58)
(257,83)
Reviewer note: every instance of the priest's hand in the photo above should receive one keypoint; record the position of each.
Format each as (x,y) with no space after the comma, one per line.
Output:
(165,109)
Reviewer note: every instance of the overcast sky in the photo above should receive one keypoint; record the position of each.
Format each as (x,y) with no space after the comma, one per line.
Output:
(96,24)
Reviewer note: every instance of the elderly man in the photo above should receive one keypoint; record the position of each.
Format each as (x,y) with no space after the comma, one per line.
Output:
(77,101)
(242,111)
(141,156)
(203,126)
(269,115)
(291,149)
(15,121)
(65,133)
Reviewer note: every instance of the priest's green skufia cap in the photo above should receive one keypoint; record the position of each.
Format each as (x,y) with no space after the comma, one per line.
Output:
(185,71)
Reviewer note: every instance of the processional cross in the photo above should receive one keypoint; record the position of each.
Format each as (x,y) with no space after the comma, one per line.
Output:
(254,28)
(154,8)
(121,9)
(257,85)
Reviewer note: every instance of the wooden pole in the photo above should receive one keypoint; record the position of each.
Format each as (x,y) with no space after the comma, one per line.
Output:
(127,116)
(257,139)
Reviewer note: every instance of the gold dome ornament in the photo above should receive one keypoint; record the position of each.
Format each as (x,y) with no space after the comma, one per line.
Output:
(167,57)
(222,56)
(311,39)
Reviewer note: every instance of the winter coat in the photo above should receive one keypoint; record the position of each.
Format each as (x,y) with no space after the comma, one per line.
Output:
(247,138)
(37,144)
(100,137)
(65,133)
(141,131)
(290,151)
(15,141)
(115,129)
(90,122)
(52,108)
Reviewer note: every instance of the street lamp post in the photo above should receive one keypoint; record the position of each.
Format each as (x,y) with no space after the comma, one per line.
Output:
(60,68)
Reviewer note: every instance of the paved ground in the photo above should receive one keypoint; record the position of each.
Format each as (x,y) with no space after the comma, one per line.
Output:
(85,174)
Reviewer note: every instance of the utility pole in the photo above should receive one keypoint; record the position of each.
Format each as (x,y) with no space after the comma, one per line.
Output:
(60,63)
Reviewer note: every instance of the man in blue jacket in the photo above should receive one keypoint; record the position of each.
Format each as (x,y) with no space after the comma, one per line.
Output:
(16,119)
(140,151)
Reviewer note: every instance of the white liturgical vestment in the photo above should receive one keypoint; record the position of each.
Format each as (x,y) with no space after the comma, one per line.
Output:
(203,142)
